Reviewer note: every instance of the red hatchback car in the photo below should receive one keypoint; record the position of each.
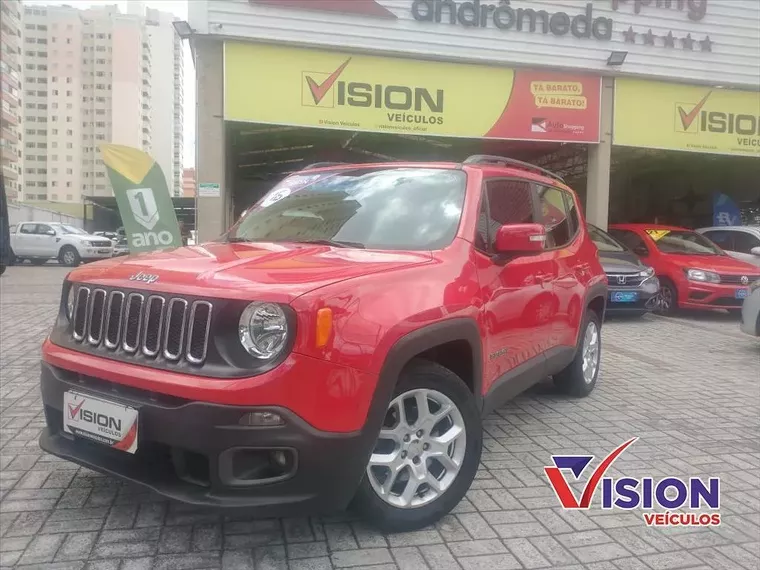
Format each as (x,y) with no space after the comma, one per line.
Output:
(342,341)
(694,273)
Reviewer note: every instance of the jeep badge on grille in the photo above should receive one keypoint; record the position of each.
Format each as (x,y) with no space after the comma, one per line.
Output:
(144,277)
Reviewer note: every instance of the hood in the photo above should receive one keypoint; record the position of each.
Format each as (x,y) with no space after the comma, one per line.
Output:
(620,262)
(716,263)
(262,271)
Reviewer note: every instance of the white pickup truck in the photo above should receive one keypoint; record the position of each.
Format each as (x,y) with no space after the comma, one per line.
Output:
(40,241)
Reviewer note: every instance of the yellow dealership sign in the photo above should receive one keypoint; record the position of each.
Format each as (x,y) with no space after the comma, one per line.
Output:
(652,114)
(314,88)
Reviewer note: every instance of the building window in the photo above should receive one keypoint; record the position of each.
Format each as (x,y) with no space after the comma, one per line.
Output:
(54,196)
(69,145)
(55,131)
(69,132)
(68,80)
(41,93)
(54,145)
(31,131)
(54,157)
(68,93)
(69,197)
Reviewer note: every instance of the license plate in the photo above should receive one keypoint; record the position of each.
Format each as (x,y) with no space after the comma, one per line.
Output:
(624,296)
(109,423)
(104,251)
(742,293)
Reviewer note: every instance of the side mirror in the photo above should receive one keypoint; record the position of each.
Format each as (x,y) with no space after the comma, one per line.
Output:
(640,250)
(50,232)
(755,251)
(520,239)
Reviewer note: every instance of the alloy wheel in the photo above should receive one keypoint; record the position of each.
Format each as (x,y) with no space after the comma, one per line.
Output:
(590,352)
(666,298)
(68,257)
(420,449)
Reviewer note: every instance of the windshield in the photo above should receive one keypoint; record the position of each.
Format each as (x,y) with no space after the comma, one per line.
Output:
(683,242)
(377,208)
(70,230)
(604,241)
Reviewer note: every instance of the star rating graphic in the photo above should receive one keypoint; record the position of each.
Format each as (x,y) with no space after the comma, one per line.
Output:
(669,40)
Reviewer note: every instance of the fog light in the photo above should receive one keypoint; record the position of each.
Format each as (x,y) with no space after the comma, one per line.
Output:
(279,458)
(261,419)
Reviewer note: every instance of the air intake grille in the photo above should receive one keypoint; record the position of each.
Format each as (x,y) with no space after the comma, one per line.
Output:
(738,279)
(136,323)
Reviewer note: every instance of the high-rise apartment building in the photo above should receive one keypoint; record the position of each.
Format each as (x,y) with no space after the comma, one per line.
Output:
(88,79)
(166,93)
(10,97)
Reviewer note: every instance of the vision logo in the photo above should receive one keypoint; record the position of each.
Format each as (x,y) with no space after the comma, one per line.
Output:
(404,103)
(318,85)
(687,116)
(629,493)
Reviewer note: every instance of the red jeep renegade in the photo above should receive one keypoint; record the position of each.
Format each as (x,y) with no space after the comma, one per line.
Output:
(342,341)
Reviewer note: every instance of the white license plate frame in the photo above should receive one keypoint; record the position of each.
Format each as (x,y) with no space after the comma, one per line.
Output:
(103,421)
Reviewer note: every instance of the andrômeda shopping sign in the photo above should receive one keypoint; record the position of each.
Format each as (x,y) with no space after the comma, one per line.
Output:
(312,88)
(653,114)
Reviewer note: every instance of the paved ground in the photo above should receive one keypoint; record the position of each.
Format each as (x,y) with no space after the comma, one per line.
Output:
(689,388)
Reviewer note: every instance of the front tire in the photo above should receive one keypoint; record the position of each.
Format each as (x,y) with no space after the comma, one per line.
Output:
(69,256)
(580,376)
(668,304)
(427,452)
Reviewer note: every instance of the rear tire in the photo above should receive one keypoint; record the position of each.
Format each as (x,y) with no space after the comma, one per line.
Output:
(69,256)
(668,304)
(2,269)
(579,377)
(405,486)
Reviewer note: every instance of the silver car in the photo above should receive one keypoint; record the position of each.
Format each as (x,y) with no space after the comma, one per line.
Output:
(751,311)
(741,242)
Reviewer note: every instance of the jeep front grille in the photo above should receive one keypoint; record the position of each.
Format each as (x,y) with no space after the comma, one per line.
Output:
(136,323)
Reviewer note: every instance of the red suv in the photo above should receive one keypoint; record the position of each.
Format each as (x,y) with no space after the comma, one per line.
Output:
(342,341)
(694,273)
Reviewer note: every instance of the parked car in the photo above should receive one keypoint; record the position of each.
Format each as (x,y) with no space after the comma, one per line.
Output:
(750,323)
(741,242)
(41,241)
(5,237)
(333,344)
(633,286)
(120,247)
(694,273)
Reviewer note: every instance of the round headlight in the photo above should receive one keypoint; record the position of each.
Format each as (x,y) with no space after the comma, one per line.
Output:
(263,330)
(70,301)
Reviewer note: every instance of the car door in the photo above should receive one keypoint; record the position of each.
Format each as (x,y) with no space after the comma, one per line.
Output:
(46,242)
(25,241)
(559,215)
(518,294)
(744,243)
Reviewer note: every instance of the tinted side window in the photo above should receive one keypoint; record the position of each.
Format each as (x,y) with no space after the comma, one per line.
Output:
(27,228)
(631,239)
(744,242)
(572,213)
(554,216)
(723,239)
(43,229)
(508,202)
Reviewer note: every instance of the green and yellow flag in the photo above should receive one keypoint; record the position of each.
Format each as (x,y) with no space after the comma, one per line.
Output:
(145,204)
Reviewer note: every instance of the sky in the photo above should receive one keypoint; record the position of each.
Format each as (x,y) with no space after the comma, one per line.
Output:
(179,9)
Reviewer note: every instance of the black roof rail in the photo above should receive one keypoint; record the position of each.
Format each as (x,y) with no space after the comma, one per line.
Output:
(490,159)
(322,165)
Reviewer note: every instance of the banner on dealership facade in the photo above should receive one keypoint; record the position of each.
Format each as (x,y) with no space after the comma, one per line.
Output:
(653,114)
(143,199)
(312,88)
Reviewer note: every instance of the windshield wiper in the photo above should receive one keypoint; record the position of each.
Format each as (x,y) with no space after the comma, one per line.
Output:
(333,243)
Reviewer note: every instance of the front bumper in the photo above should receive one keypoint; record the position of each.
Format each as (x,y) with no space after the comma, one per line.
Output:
(647,293)
(751,314)
(96,253)
(710,296)
(188,451)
